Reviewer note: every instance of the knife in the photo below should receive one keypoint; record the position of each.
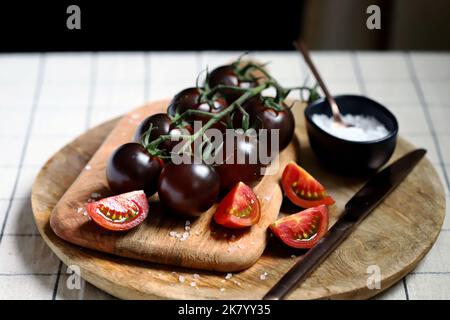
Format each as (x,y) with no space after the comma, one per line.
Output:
(356,209)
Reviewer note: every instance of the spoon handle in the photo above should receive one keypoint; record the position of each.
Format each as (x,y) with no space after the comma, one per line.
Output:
(334,107)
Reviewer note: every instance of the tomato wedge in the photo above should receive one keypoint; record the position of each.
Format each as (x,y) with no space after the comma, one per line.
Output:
(121,212)
(239,209)
(302,189)
(304,229)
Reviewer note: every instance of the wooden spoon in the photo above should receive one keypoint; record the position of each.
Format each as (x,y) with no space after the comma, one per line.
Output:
(337,117)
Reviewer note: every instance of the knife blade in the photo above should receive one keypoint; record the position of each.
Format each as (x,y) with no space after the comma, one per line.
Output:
(356,209)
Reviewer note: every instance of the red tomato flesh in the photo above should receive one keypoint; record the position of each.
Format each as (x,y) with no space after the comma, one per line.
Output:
(302,189)
(304,229)
(121,212)
(239,209)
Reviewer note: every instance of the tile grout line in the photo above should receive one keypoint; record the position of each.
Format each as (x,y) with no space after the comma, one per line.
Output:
(358,73)
(362,86)
(304,70)
(27,274)
(147,70)
(36,96)
(89,109)
(22,235)
(199,61)
(405,287)
(424,105)
(58,276)
(92,88)
(431,272)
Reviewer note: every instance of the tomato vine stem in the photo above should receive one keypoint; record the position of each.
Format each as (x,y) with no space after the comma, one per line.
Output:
(246,71)
(214,119)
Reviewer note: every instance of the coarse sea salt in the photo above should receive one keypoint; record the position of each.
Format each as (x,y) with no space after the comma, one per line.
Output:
(95,195)
(173,233)
(364,128)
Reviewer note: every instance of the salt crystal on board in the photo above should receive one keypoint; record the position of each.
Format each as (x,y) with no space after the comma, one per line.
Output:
(228,276)
(185,236)
(364,128)
(173,233)
(95,195)
(181,279)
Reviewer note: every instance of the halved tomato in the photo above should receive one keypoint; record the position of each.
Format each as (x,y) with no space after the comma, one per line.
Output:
(302,189)
(239,209)
(121,212)
(304,229)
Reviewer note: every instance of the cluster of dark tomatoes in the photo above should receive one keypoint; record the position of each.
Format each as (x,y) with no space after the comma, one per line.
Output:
(231,98)
(191,188)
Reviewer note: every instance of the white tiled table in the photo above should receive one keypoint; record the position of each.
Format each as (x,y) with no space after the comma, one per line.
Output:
(47,99)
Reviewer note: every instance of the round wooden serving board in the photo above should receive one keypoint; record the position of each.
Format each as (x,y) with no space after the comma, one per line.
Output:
(395,237)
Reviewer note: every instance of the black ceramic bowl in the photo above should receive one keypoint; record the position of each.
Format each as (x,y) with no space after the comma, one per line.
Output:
(351,157)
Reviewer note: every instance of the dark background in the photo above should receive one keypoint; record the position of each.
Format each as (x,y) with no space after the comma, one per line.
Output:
(224,25)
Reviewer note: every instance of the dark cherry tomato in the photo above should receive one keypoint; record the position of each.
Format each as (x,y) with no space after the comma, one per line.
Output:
(239,209)
(190,99)
(121,212)
(188,189)
(184,100)
(131,167)
(265,117)
(176,133)
(239,161)
(304,229)
(302,189)
(160,123)
(226,75)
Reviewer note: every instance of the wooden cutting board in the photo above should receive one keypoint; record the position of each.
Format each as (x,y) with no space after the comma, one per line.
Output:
(395,237)
(208,246)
